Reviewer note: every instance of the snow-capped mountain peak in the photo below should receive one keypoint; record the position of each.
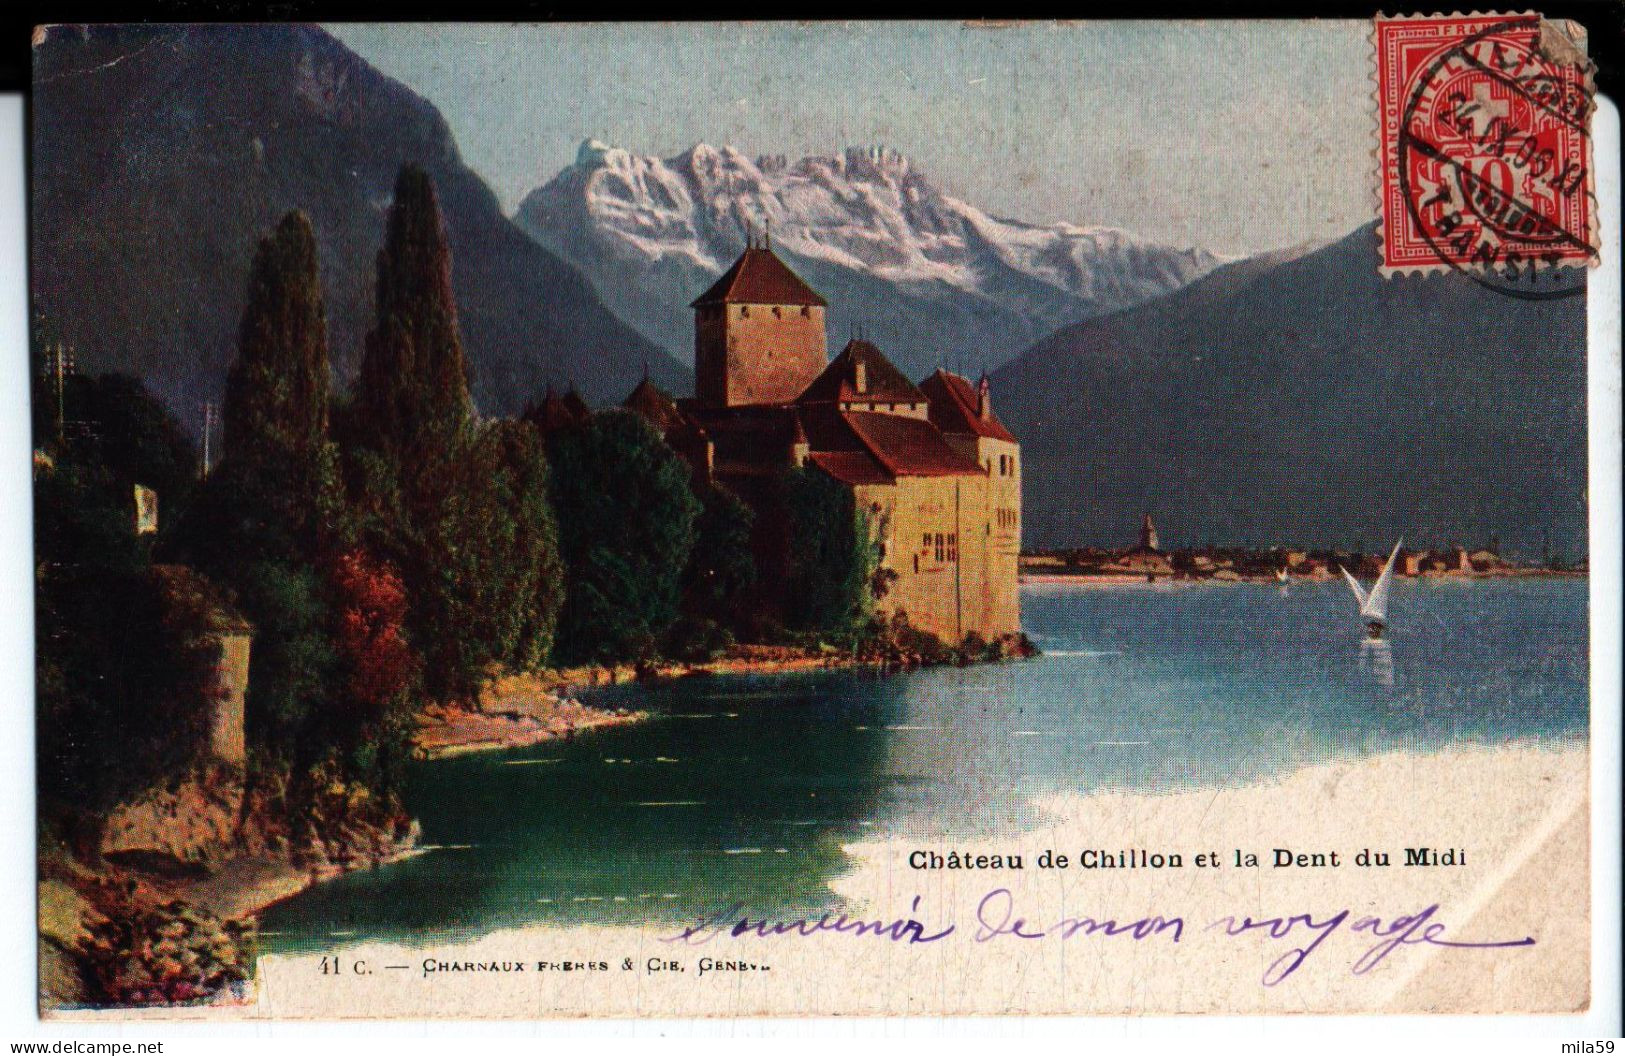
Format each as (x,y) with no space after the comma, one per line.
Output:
(866,222)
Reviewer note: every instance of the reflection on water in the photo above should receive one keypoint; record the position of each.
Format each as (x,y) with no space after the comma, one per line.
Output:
(1377,660)
(744,789)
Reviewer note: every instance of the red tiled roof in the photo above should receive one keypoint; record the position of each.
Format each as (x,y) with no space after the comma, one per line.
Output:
(883,383)
(851,467)
(856,447)
(658,408)
(759,277)
(953,408)
(908,447)
(553,413)
(760,434)
(576,405)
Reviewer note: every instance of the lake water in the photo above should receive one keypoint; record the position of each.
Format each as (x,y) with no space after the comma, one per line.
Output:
(744,788)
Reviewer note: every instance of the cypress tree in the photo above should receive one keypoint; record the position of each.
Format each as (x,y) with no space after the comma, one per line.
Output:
(269,516)
(277,391)
(280,466)
(411,395)
(461,505)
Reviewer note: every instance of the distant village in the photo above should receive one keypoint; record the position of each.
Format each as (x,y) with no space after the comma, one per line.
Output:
(1148,561)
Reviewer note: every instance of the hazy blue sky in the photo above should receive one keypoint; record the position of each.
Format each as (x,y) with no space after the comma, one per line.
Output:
(1235,136)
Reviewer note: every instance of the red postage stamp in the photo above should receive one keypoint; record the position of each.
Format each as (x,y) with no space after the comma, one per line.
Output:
(1483,149)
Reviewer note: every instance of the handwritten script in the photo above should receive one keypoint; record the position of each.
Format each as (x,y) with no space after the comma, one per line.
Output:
(997,920)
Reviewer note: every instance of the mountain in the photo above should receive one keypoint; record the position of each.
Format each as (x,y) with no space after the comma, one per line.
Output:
(1300,398)
(163,153)
(931,279)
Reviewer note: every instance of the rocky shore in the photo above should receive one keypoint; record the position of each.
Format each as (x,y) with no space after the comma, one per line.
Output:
(156,906)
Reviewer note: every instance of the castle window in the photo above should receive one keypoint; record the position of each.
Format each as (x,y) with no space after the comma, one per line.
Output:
(776,313)
(916,564)
(744,311)
(805,312)
(953,546)
(941,546)
(927,544)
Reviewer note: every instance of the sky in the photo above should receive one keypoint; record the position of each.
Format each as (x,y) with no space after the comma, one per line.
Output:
(1237,137)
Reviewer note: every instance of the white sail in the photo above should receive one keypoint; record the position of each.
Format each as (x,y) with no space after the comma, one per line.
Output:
(1375,606)
(1354,585)
(1282,574)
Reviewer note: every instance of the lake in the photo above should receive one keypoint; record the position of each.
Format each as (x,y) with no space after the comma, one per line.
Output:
(744,788)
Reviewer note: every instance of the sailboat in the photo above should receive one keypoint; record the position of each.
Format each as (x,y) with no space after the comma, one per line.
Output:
(1282,575)
(1374,606)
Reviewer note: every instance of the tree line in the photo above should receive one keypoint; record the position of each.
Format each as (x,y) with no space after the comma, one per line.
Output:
(388,545)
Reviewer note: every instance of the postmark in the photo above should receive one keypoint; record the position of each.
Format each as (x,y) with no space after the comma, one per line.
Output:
(1484,153)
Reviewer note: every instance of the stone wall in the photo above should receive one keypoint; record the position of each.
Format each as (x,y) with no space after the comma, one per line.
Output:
(969,582)
(226,738)
(757,353)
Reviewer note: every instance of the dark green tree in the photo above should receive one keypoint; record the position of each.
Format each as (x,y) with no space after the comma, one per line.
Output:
(128,431)
(488,574)
(626,525)
(276,435)
(411,398)
(720,579)
(461,507)
(271,515)
(832,556)
(121,674)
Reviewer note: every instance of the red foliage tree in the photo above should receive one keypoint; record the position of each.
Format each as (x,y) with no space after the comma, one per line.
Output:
(379,664)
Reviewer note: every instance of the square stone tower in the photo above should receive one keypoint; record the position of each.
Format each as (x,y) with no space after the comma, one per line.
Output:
(758,334)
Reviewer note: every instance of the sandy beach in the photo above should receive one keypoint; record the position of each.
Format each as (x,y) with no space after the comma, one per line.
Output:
(522,710)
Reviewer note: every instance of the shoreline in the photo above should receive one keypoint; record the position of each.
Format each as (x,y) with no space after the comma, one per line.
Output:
(520,711)
(226,900)
(1124,579)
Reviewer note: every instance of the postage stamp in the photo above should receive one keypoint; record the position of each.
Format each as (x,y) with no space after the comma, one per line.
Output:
(564,521)
(1483,148)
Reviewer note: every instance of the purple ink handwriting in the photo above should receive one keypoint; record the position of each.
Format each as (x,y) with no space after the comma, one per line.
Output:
(998,920)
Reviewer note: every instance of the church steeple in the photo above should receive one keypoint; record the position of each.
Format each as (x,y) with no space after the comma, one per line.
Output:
(1148,535)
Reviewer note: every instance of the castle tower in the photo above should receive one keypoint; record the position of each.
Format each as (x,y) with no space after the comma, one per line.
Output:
(758,334)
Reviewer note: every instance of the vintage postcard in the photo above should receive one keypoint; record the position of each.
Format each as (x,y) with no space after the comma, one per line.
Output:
(697,520)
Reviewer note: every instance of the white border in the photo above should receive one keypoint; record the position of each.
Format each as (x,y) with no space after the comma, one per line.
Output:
(1340,1034)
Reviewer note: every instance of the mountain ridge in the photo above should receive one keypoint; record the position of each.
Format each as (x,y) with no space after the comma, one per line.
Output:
(1303,399)
(931,277)
(162,155)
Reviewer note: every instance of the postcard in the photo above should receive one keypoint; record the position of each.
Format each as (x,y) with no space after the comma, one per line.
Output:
(930,519)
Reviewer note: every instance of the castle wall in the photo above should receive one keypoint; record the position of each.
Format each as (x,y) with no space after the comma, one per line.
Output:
(226,740)
(757,353)
(968,582)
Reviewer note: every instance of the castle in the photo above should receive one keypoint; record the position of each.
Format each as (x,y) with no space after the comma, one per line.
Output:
(935,469)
